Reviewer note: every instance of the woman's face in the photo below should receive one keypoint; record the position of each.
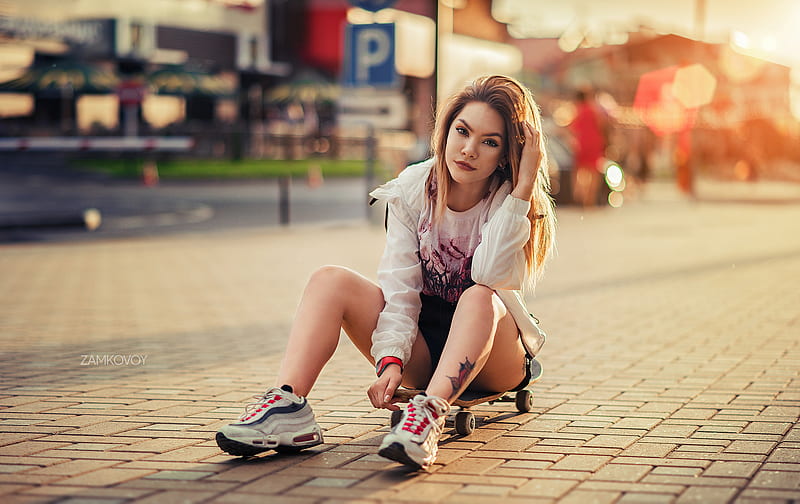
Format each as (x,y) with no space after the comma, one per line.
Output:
(475,143)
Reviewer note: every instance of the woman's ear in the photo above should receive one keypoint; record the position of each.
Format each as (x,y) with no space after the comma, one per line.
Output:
(504,169)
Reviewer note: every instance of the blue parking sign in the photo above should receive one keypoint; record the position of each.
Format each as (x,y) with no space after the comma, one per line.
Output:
(369,55)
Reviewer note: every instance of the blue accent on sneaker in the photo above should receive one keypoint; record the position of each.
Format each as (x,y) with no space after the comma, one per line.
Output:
(292,408)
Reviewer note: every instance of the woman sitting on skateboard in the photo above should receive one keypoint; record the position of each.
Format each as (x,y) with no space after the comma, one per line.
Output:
(466,230)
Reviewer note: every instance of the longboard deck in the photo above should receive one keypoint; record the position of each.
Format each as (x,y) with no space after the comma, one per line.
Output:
(469,397)
(465,400)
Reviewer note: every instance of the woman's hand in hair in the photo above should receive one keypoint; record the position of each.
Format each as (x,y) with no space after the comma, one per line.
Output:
(528,164)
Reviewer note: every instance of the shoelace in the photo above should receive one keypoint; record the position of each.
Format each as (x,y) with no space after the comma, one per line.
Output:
(418,416)
(263,402)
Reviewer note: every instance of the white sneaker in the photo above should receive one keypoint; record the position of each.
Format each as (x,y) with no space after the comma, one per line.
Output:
(414,440)
(279,420)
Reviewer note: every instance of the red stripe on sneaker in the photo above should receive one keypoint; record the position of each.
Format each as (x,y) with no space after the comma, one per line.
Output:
(305,437)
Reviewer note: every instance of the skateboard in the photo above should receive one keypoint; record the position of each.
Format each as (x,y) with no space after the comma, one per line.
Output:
(464,420)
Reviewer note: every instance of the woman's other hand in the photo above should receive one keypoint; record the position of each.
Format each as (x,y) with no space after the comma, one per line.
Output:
(528,164)
(381,392)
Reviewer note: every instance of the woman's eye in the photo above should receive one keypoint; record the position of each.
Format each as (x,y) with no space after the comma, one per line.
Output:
(491,143)
(461,130)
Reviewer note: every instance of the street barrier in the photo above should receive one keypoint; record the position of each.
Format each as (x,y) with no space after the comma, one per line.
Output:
(109,144)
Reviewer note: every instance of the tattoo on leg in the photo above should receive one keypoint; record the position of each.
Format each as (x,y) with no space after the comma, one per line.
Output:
(464,369)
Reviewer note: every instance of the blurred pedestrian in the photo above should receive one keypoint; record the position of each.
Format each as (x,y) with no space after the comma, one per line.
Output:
(589,131)
(466,231)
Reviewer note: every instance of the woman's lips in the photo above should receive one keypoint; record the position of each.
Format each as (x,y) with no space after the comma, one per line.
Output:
(465,166)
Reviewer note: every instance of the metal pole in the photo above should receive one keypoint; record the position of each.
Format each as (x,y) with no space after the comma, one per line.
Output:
(369,173)
(700,19)
(435,76)
(284,182)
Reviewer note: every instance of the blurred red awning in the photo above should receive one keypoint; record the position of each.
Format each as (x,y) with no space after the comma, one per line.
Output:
(667,99)
(657,105)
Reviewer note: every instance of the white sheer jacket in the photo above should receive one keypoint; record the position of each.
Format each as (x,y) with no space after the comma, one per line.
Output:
(498,262)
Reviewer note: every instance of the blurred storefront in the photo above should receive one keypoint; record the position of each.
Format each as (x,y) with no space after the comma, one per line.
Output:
(170,62)
(469,42)
(192,63)
(706,102)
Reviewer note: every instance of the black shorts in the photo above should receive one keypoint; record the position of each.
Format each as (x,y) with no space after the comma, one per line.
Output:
(435,319)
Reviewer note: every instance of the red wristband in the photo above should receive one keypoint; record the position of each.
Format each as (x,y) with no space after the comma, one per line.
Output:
(382,364)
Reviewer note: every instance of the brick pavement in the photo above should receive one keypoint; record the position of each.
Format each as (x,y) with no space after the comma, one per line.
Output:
(671,371)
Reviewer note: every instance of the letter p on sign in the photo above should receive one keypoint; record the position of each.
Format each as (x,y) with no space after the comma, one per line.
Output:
(370,55)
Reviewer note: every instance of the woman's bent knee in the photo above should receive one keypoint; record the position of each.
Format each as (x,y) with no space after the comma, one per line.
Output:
(481,297)
(344,288)
(332,276)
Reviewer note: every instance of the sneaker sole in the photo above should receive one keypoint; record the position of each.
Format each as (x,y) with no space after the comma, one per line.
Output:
(236,448)
(246,450)
(397,452)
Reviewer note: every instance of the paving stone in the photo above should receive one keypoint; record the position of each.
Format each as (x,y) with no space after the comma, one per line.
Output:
(621,472)
(677,471)
(780,428)
(628,487)
(105,477)
(471,465)
(706,495)
(29,448)
(609,441)
(581,463)
(508,443)
(672,431)
(180,475)
(645,498)
(429,492)
(572,409)
(695,480)
(694,413)
(790,455)
(648,449)
(552,488)
(273,485)
(579,496)
(187,454)
(485,490)
(637,423)
(331,482)
(12,468)
(74,467)
(105,428)
(732,469)
(176,497)
(756,447)
(776,480)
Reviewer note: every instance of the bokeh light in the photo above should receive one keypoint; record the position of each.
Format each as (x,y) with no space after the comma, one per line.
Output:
(616,199)
(694,86)
(615,177)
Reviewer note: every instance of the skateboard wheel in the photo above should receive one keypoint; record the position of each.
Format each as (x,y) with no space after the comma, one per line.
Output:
(465,423)
(396,417)
(524,401)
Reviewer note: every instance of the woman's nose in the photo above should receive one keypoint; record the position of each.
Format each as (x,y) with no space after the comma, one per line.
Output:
(469,149)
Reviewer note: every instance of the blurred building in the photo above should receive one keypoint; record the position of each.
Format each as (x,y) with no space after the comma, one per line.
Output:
(175,60)
(255,68)
(222,61)
(737,107)
(469,40)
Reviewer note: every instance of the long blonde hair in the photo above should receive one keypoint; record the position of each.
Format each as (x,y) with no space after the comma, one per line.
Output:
(515,105)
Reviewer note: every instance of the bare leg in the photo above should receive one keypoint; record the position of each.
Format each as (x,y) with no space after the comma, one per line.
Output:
(482,346)
(337,298)
(334,298)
